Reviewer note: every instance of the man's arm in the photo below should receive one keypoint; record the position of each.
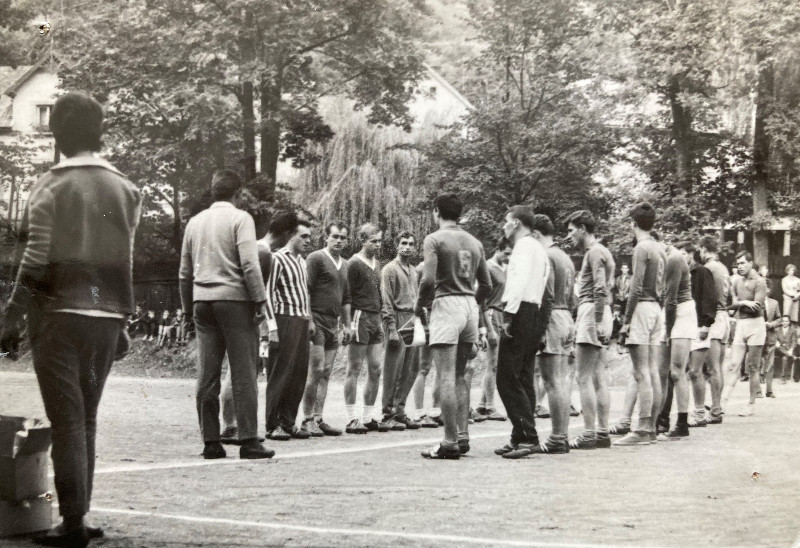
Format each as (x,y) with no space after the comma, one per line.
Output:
(388,289)
(484,281)
(639,265)
(427,286)
(548,297)
(186,273)
(672,276)
(248,258)
(708,298)
(265,260)
(518,272)
(600,288)
(271,326)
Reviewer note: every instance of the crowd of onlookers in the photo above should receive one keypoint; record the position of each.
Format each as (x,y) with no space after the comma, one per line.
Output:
(168,328)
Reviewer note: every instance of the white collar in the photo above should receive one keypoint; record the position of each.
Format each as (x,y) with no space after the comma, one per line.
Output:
(372,265)
(85,161)
(337,264)
(495,263)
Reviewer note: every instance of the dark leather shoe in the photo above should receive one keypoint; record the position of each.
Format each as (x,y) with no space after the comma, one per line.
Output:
(438,452)
(279,434)
(214,450)
(463,446)
(251,449)
(95,532)
(58,536)
(299,433)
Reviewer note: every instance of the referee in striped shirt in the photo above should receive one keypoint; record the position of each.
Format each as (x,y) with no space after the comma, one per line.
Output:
(286,377)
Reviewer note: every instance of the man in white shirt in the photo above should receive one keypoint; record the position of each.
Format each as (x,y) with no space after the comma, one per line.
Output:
(525,319)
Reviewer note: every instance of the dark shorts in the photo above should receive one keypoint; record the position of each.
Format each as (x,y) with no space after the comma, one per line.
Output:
(367,327)
(327,334)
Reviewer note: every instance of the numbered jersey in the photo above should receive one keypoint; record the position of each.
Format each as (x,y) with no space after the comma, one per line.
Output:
(459,261)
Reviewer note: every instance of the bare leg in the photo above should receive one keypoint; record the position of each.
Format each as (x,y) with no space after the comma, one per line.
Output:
(588,358)
(373,374)
(735,358)
(697,360)
(640,356)
(754,368)
(715,380)
(552,370)
(679,358)
(316,368)
(425,362)
(490,379)
(444,356)
(603,396)
(464,372)
(357,353)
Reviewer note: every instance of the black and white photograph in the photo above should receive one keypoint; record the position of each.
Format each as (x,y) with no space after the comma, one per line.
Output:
(399,273)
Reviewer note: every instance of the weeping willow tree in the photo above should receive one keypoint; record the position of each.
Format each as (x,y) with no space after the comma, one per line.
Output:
(368,173)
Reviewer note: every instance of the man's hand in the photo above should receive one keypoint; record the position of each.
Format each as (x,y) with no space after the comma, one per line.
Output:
(601,335)
(492,336)
(347,334)
(273,338)
(394,337)
(483,341)
(703,333)
(506,329)
(312,329)
(261,312)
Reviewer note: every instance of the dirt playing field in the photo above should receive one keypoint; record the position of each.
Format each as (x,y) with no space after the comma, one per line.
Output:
(736,484)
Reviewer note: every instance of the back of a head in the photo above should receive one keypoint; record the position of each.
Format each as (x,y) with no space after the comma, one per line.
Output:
(543,224)
(522,213)
(77,124)
(449,206)
(709,243)
(225,183)
(644,215)
(283,223)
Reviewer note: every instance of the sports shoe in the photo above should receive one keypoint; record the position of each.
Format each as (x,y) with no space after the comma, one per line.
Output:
(251,449)
(582,442)
(698,421)
(327,429)
(637,437)
(299,433)
(541,412)
(759,394)
(744,378)
(375,426)
(619,429)
(510,446)
(552,447)
(311,426)
(279,434)
(574,412)
(714,419)
(230,436)
(494,416)
(522,450)
(440,452)
(662,426)
(770,394)
(427,422)
(355,426)
(476,417)
(213,450)
(747,410)
(603,441)
(393,425)
(438,420)
(409,424)
(463,446)
(676,434)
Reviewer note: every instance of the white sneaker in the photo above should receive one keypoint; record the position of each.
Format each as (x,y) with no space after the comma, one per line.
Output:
(747,410)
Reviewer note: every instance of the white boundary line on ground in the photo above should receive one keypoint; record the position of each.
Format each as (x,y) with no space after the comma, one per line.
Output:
(345,532)
(422,443)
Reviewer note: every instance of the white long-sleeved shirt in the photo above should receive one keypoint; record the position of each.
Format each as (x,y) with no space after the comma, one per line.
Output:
(526,274)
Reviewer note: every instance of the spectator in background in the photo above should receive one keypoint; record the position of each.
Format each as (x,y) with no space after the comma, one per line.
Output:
(223,291)
(75,282)
(773,317)
(179,327)
(786,341)
(164,327)
(136,322)
(622,287)
(790,285)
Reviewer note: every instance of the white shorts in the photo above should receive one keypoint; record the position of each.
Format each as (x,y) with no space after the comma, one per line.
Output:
(586,328)
(454,319)
(750,331)
(720,329)
(647,324)
(685,326)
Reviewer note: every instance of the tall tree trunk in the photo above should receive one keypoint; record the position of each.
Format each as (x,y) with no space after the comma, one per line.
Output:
(764,92)
(270,132)
(11,199)
(681,136)
(248,113)
(177,232)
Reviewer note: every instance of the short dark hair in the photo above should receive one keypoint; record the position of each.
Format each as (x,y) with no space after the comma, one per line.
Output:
(746,254)
(77,123)
(405,235)
(522,213)
(303,222)
(366,230)
(582,218)
(686,245)
(644,215)
(225,183)
(709,243)
(335,224)
(449,206)
(501,244)
(283,222)
(543,224)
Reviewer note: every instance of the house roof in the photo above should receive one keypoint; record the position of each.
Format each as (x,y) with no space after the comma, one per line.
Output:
(446,85)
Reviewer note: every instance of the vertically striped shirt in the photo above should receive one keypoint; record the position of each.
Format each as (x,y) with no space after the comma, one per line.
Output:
(288,284)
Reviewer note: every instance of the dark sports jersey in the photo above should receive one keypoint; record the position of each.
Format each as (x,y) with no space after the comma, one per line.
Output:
(562,273)
(328,288)
(365,284)
(497,273)
(647,281)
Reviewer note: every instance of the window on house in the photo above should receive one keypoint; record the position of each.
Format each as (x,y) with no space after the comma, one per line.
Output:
(43,116)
